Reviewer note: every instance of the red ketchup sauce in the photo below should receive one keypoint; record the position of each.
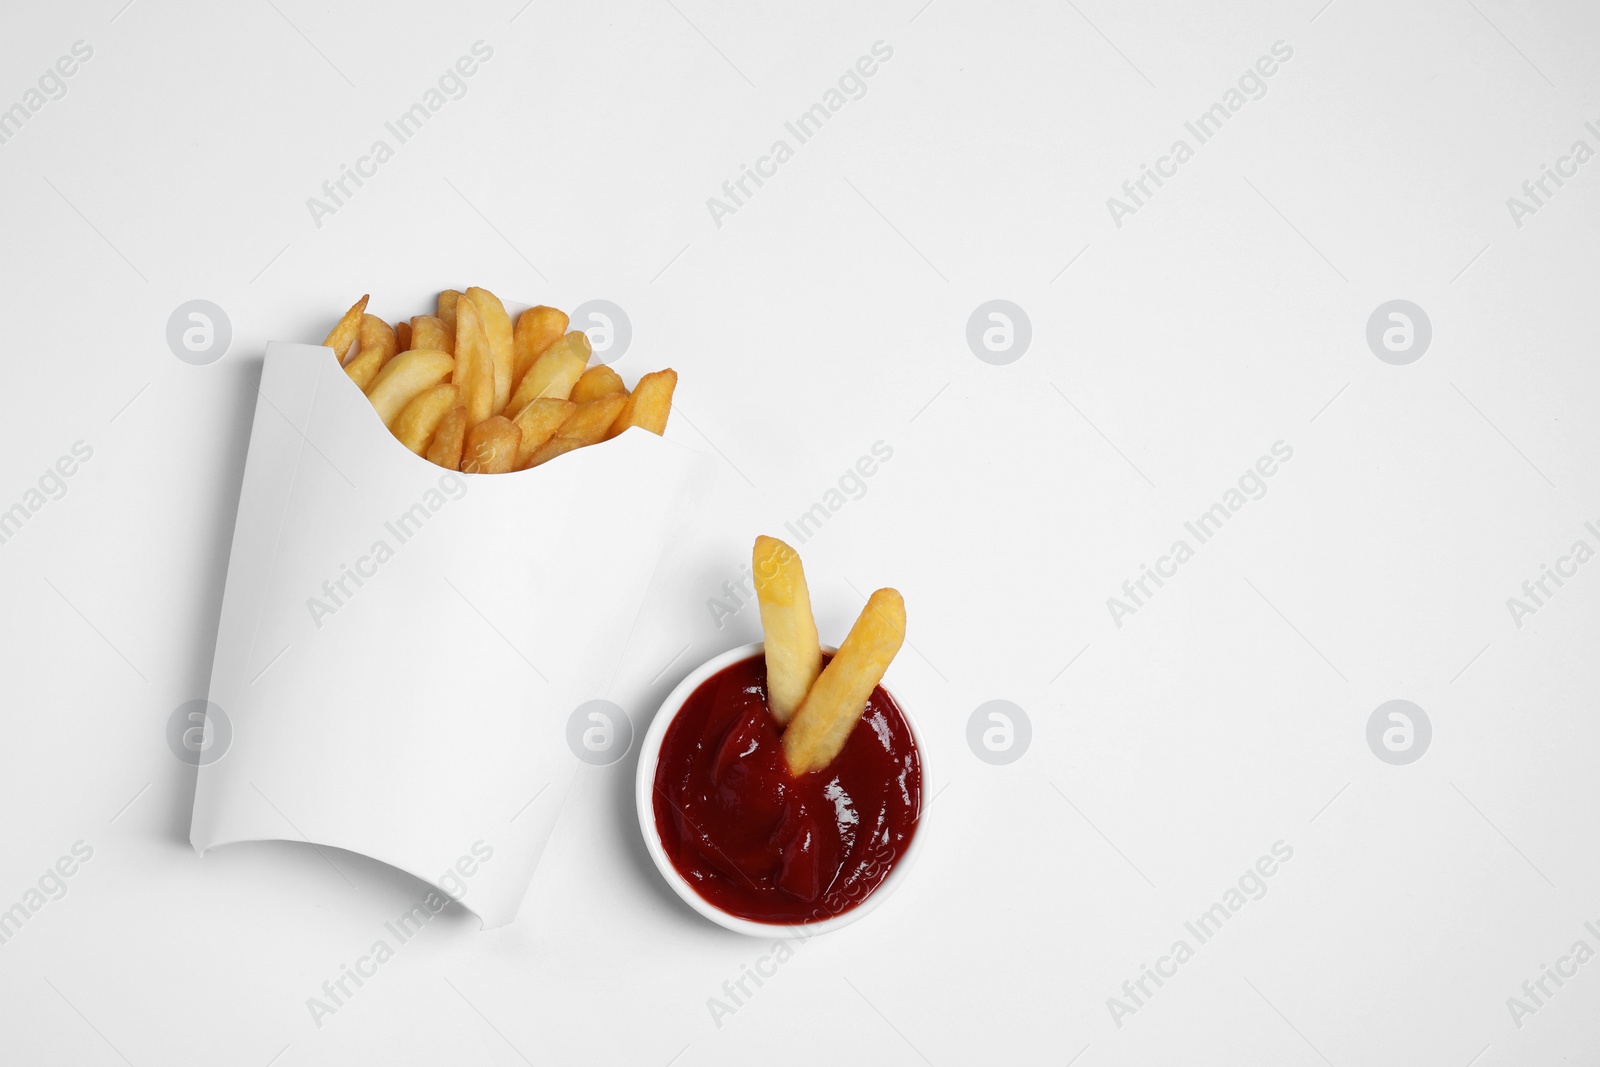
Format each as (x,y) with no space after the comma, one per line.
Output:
(758,842)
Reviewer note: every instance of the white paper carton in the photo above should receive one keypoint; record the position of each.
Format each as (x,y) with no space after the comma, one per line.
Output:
(401,646)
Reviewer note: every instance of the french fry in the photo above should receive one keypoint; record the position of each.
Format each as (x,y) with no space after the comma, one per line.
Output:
(586,425)
(402,334)
(378,346)
(596,382)
(538,421)
(831,710)
(417,421)
(555,372)
(794,655)
(491,446)
(449,439)
(404,377)
(344,334)
(649,404)
(537,329)
(379,335)
(474,372)
(497,328)
(363,369)
(428,331)
(447,309)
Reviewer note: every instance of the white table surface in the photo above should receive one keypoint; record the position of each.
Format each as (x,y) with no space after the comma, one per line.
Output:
(827,313)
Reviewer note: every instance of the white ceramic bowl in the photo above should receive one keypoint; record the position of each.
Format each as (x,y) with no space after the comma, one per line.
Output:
(644,789)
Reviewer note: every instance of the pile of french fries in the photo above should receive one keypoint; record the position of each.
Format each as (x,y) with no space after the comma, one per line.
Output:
(818,706)
(466,390)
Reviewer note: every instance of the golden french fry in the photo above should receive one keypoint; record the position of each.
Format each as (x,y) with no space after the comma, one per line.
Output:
(831,710)
(449,439)
(649,405)
(427,331)
(491,446)
(497,328)
(474,374)
(404,377)
(343,335)
(378,346)
(555,372)
(447,309)
(380,336)
(364,368)
(417,421)
(586,425)
(596,382)
(794,655)
(538,421)
(537,329)
(402,334)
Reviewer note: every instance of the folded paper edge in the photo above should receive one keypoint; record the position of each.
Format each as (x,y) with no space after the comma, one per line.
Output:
(485,921)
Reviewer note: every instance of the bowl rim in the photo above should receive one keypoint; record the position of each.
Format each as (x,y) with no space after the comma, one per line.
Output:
(644,799)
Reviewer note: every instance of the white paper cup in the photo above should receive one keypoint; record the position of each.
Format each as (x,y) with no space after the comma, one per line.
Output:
(414,708)
(644,795)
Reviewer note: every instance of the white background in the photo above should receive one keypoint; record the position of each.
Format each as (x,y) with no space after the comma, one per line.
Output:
(827,313)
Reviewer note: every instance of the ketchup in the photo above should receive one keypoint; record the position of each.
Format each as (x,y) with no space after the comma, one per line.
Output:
(762,844)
